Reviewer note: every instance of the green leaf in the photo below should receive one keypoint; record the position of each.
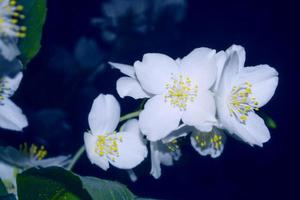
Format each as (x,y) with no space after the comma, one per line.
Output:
(35,12)
(102,189)
(3,190)
(53,183)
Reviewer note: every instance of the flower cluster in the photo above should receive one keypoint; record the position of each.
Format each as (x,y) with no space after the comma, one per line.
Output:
(206,94)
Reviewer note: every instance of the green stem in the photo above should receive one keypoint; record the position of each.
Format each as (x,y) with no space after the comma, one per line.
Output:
(81,150)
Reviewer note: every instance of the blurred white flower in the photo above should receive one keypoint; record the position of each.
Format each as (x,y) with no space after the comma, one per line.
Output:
(9,28)
(241,91)
(124,149)
(13,161)
(180,90)
(208,143)
(11,116)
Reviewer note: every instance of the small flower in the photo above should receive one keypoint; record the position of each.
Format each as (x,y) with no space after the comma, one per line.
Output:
(11,116)
(208,143)
(10,13)
(163,153)
(180,90)
(124,149)
(241,91)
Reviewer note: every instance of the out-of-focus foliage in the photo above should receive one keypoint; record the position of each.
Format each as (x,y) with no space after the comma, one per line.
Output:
(35,12)
(57,183)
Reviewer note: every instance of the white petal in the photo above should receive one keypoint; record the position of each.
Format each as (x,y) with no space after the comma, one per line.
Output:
(90,141)
(201,66)
(125,69)
(9,49)
(161,154)
(201,113)
(104,115)
(241,53)
(264,80)
(254,132)
(204,145)
(6,171)
(158,118)
(12,83)
(220,59)
(181,131)
(229,73)
(60,161)
(127,86)
(155,161)
(132,175)
(132,150)
(154,72)
(11,116)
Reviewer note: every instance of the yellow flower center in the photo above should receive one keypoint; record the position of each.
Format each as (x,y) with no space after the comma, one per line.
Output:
(107,145)
(34,151)
(180,91)
(208,140)
(173,145)
(9,18)
(241,102)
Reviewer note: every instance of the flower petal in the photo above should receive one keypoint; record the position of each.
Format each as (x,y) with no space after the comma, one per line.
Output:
(12,83)
(125,69)
(154,72)
(241,53)
(104,115)
(9,49)
(90,141)
(201,66)
(201,113)
(254,132)
(264,80)
(209,143)
(132,150)
(229,73)
(220,59)
(158,118)
(11,116)
(127,86)
(161,154)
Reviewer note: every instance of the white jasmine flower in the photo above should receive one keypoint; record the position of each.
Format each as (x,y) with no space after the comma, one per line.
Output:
(128,85)
(208,143)
(124,149)
(11,116)
(163,153)
(32,156)
(240,92)
(9,28)
(180,91)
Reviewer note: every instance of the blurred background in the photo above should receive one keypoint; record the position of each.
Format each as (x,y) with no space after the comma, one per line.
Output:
(71,69)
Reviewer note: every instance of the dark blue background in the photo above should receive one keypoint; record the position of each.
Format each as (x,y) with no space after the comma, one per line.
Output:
(269,33)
